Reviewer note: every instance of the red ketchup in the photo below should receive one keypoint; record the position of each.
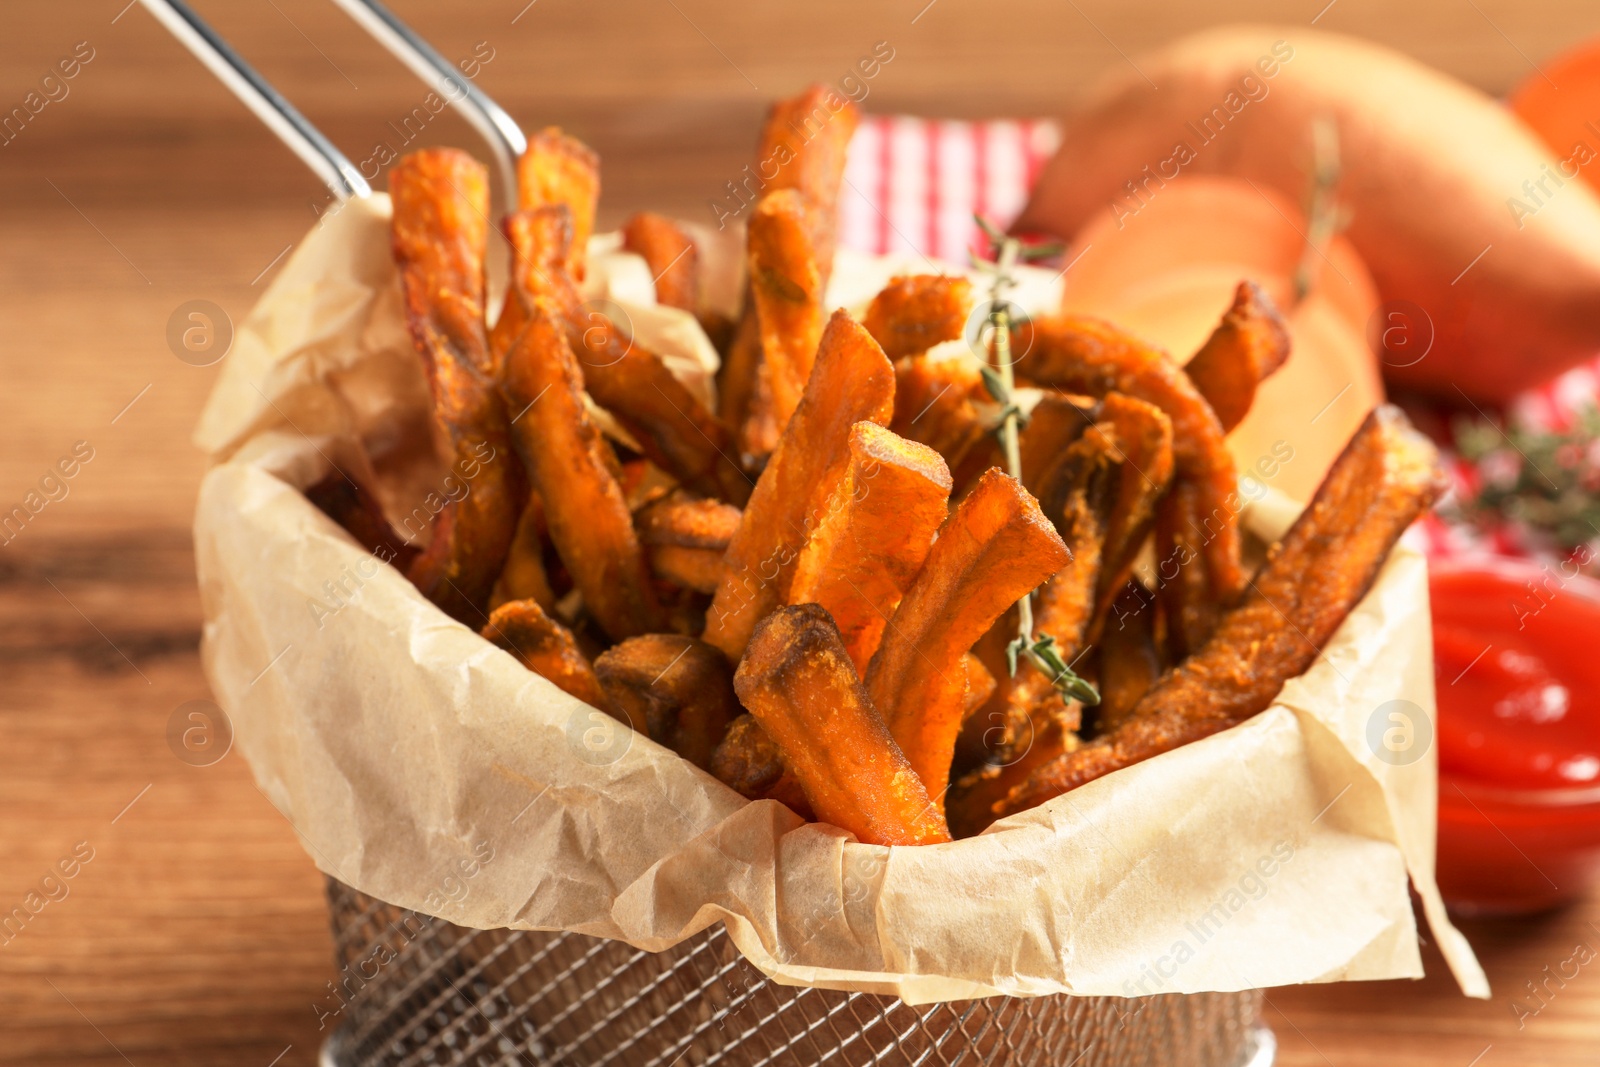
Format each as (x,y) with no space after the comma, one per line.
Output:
(1517,672)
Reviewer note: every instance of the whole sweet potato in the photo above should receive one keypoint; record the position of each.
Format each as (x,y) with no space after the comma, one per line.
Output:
(1432,174)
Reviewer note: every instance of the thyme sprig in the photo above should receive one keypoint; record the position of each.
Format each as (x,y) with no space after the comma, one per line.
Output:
(999,379)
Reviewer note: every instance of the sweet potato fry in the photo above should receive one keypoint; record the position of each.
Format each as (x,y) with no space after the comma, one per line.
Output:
(933,405)
(805,140)
(1084,355)
(1144,449)
(1055,423)
(675,430)
(685,538)
(1385,478)
(680,688)
(523,577)
(671,255)
(851,382)
(548,649)
(558,169)
(977,799)
(913,313)
(980,685)
(574,471)
(995,547)
(872,536)
(741,365)
(796,679)
(439,233)
(1130,663)
(786,285)
(348,503)
(1182,571)
(1248,345)
(748,762)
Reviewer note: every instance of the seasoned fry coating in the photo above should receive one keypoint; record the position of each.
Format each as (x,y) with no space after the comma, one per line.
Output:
(686,538)
(978,798)
(995,547)
(558,169)
(1056,421)
(1385,478)
(980,685)
(1130,663)
(797,681)
(747,759)
(573,470)
(1084,355)
(547,648)
(851,382)
(1248,345)
(671,255)
(1182,570)
(786,285)
(914,313)
(1144,448)
(873,535)
(804,141)
(933,405)
(680,688)
(675,430)
(741,365)
(439,231)
(523,577)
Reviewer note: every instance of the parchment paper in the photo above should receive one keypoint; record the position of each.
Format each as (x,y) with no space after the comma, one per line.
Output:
(404,748)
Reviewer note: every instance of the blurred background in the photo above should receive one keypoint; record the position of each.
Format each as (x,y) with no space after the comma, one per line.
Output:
(195,932)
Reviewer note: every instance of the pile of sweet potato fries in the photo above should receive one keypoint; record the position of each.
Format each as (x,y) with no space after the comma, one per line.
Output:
(809,591)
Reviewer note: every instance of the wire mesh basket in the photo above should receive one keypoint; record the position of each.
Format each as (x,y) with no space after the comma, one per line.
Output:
(415,991)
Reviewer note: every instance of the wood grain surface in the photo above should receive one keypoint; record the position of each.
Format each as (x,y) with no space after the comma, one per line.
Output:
(196,934)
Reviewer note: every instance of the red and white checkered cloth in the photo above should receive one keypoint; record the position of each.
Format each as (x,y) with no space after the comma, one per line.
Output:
(913,184)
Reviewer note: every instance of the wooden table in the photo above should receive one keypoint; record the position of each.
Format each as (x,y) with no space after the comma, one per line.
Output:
(196,932)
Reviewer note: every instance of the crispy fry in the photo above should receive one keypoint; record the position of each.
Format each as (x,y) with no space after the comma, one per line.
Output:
(680,688)
(980,685)
(796,679)
(1182,571)
(1385,478)
(1248,345)
(976,800)
(548,649)
(558,169)
(786,285)
(748,761)
(933,405)
(686,538)
(1144,448)
(1129,660)
(913,313)
(872,536)
(1054,424)
(1076,494)
(995,547)
(851,382)
(523,577)
(805,140)
(736,380)
(439,232)
(1080,354)
(671,255)
(573,470)
(675,430)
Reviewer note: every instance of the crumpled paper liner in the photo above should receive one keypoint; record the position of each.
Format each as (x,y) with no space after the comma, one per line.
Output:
(404,748)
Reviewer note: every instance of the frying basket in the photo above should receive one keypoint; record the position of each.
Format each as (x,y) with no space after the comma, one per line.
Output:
(415,991)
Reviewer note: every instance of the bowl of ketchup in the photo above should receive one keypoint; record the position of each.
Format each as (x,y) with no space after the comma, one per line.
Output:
(1517,673)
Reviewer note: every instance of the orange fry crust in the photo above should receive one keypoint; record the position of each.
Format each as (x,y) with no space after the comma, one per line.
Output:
(786,285)
(851,382)
(913,313)
(439,233)
(995,547)
(1386,477)
(1248,344)
(873,535)
(679,688)
(797,680)
(548,649)
(574,471)
(671,255)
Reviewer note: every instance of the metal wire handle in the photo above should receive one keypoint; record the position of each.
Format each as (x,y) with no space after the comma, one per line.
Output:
(269,105)
(500,130)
